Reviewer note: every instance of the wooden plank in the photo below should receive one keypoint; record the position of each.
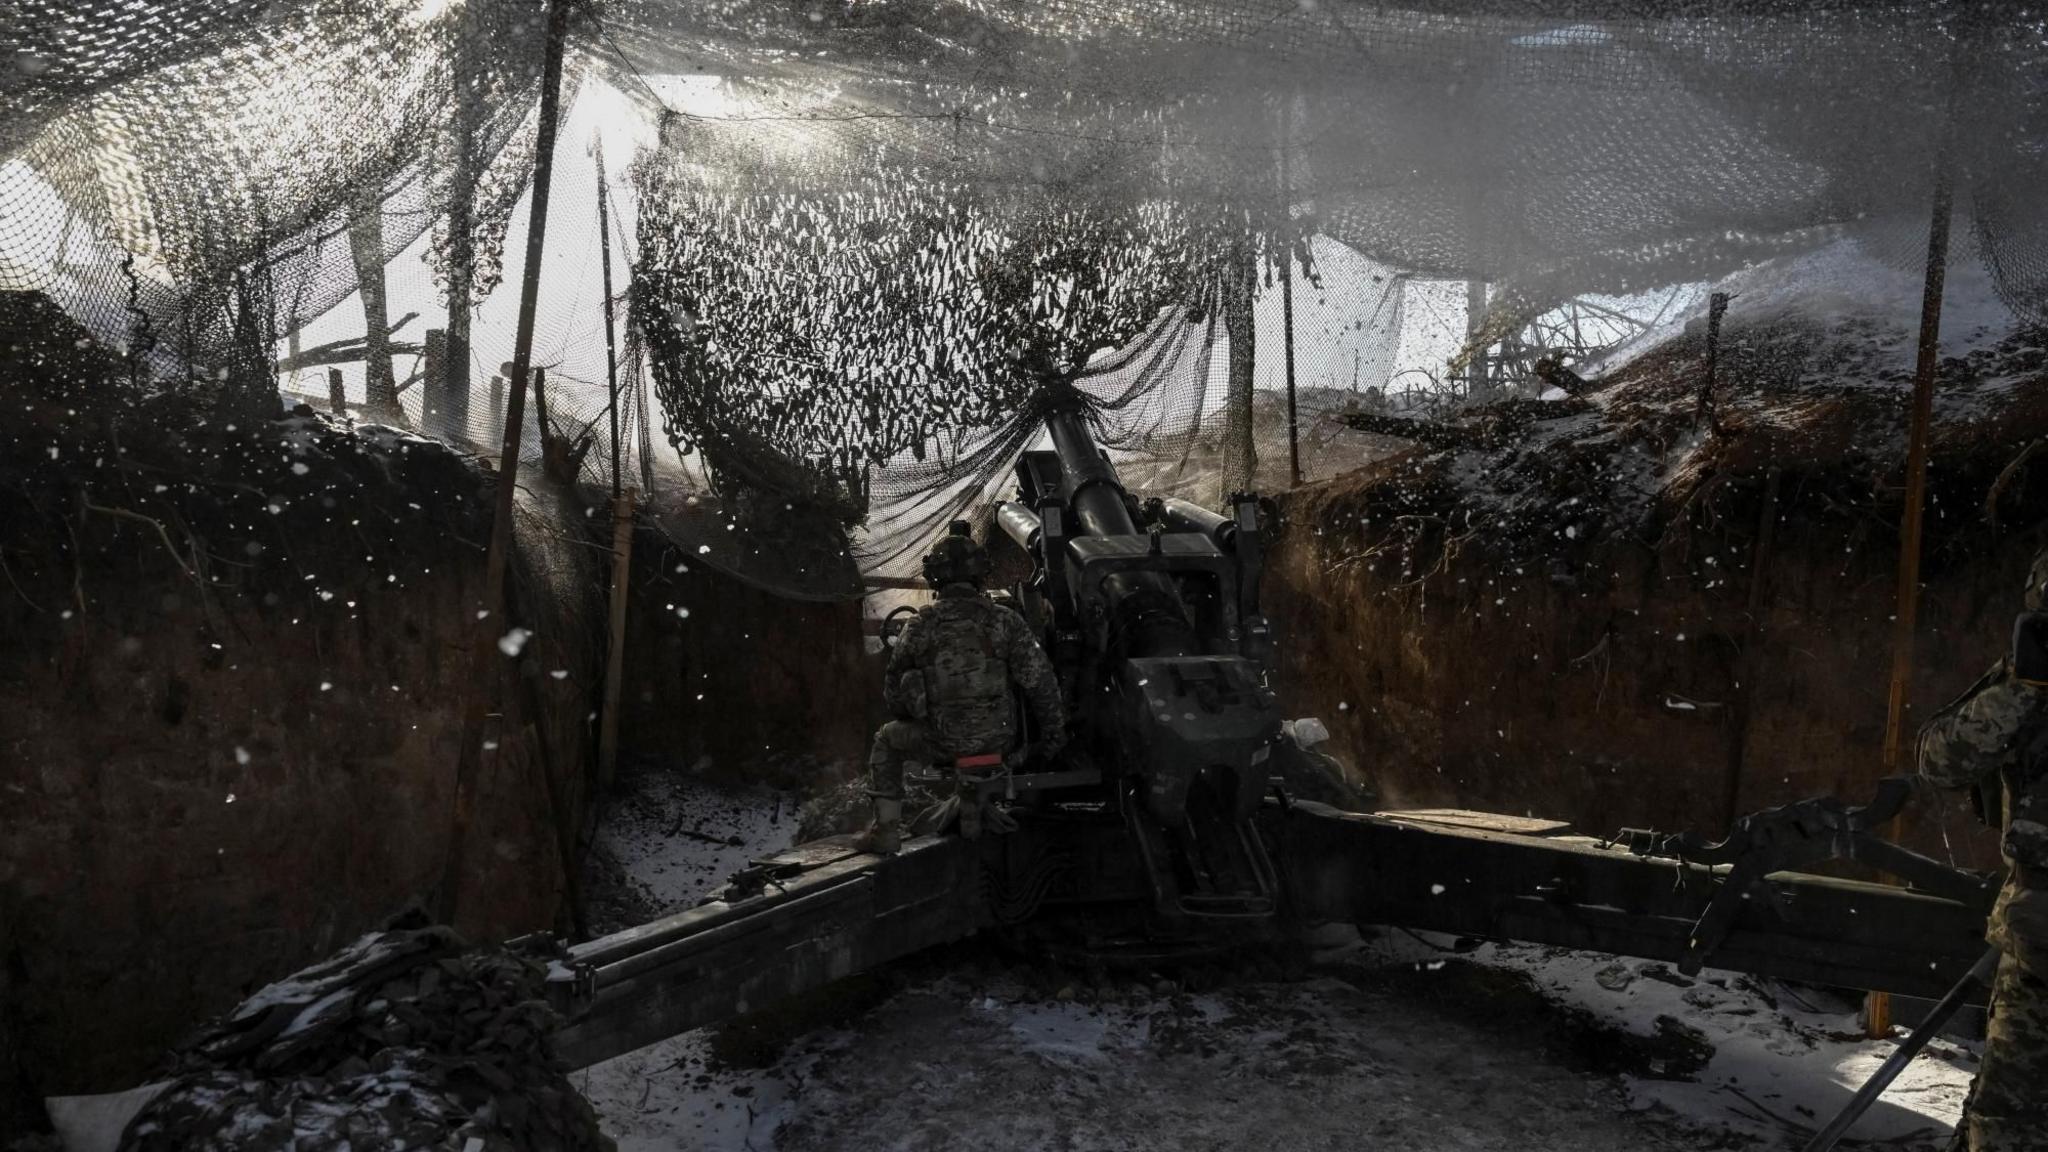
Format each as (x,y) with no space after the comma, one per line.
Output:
(1485,821)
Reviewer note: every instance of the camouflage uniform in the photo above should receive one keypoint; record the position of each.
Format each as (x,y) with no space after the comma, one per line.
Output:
(949,684)
(1995,740)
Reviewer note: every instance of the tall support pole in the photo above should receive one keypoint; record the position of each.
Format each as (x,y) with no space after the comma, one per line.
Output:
(491,609)
(453,385)
(622,508)
(366,247)
(611,339)
(615,657)
(1287,290)
(1747,662)
(1877,1009)
(1240,448)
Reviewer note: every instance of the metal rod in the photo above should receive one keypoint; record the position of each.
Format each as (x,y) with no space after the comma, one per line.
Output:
(491,611)
(611,341)
(1939,1015)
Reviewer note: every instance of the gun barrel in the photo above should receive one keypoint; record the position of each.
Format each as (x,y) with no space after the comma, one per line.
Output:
(1146,606)
(1095,495)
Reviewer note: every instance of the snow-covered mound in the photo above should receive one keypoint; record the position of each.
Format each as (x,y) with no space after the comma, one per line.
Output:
(1846,287)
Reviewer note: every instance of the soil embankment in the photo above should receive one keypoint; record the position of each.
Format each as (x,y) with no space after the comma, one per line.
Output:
(237,654)
(1613,613)
(238,645)
(727,678)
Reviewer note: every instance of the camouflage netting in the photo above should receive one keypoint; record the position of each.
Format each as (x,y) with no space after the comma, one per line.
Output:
(855,257)
(404,1039)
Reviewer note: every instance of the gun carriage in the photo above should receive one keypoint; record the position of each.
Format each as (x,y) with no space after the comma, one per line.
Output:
(1160,829)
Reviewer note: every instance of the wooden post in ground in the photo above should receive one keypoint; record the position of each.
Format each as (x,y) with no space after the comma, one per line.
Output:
(1240,447)
(1287,291)
(540,410)
(611,340)
(1746,663)
(490,614)
(366,247)
(1877,1006)
(615,658)
(337,396)
(1717,304)
(434,382)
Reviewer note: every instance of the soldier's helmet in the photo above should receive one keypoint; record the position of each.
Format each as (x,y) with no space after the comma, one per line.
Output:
(956,559)
(2037,582)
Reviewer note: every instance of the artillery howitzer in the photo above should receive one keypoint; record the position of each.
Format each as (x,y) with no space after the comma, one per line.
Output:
(1160,831)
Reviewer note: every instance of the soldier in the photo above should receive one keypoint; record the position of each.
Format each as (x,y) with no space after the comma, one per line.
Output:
(950,681)
(1995,740)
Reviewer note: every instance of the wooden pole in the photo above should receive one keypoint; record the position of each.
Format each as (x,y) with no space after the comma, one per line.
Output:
(615,659)
(1746,662)
(611,340)
(622,507)
(1475,319)
(540,410)
(1240,447)
(462,186)
(1877,1009)
(1717,304)
(366,247)
(1287,291)
(490,620)
(337,396)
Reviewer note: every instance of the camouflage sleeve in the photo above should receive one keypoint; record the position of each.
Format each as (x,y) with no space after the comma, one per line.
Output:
(904,659)
(1034,676)
(1971,742)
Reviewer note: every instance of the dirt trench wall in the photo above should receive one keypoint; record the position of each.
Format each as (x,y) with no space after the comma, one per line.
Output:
(726,678)
(233,668)
(1605,685)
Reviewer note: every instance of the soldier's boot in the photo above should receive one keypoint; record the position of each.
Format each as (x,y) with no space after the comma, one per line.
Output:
(884,836)
(970,813)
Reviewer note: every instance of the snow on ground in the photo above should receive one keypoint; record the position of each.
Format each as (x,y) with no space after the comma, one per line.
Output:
(1845,287)
(1390,1041)
(1785,1059)
(669,838)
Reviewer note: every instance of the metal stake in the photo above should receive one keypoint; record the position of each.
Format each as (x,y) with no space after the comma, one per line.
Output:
(1979,973)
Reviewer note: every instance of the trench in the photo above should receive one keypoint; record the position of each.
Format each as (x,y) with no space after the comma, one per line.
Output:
(240,646)
(241,649)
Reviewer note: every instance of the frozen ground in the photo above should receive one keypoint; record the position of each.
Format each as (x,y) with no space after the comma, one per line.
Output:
(1390,1041)
(668,838)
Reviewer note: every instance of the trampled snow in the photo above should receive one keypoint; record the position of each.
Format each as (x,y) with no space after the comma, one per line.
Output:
(1388,1041)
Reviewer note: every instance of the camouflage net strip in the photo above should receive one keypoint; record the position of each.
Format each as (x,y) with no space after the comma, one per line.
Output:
(853,268)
